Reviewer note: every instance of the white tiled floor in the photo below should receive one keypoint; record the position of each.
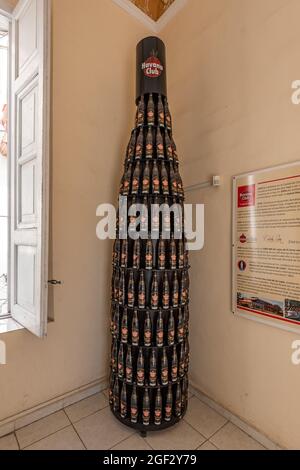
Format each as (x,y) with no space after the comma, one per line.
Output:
(90,425)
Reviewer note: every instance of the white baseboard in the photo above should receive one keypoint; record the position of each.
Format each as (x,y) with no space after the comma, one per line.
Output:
(31,415)
(252,432)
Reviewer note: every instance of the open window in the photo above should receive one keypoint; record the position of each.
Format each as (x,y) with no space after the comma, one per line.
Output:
(4,50)
(28,156)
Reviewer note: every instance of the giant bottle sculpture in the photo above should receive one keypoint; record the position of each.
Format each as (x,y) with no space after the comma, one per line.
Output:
(150,285)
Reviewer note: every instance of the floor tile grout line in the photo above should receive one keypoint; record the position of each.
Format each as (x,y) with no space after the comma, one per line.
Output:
(79,437)
(199,448)
(80,401)
(15,434)
(231,419)
(87,416)
(193,428)
(40,419)
(209,439)
(123,440)
(245,432)
(45,437)
(146,439)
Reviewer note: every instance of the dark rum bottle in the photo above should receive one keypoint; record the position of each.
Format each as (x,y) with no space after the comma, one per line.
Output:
(182,361)
(155,218)
(124,254)
(116,253)
(180,327)
(116,323)
(164,180)
(160,330)
(123,411)
(186,354)
(129,367)
(168,116)
(173,253)
(166,293)
(150,111)
(116,395)
(164,368)
(180,254)
(126,181)
(146,179)
(154,292)
(160,149)
(186,319)
(175,294)
(169,147)
(131,147)
(124,327)
(140,121)
(134,406)
(146,408)
(161,254)
(169,404)
(144,217)
(136,179)
(121,362)
(166,217)
(116,286)
(135,330)
(174,370)
(130,291)
(149,254)
(122,289)
(178,401)
(147,330)
(171,329)
(142,291)
(153,369)
(136,259)
(155,179)
(158,408)
(183,288)
(149,144)
(114,356)
(173,181)
(179,183)
(161,112)
(111,389)
(140,369)
(139,145)
(175,154)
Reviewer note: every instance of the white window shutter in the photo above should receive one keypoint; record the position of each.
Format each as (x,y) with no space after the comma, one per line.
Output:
(30,105)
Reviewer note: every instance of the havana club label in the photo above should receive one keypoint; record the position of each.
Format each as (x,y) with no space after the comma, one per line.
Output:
(152,67)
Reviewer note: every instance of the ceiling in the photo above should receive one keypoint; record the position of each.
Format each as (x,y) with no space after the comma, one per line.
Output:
(153,8)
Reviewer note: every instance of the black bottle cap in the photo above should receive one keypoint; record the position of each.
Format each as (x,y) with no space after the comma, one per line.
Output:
(151,75)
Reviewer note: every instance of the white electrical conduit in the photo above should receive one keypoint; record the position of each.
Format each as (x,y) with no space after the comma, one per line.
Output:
(215,182)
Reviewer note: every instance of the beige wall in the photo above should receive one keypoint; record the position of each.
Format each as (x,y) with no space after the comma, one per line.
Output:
(93,109)
(231,64)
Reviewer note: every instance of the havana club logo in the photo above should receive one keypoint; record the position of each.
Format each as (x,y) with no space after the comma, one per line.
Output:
(152,67)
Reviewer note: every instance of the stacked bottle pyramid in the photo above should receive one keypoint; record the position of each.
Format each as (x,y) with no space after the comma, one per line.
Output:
(150,285)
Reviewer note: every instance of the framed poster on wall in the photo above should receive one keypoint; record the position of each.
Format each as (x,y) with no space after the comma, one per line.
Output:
(266,246)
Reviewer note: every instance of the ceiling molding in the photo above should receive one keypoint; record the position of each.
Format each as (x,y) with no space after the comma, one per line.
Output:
(154,26)
(134,11)
(7,6)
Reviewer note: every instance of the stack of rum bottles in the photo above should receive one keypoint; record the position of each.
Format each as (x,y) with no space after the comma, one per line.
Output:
(150,285)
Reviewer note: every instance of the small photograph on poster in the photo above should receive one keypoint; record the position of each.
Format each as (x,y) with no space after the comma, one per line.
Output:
(266,245)
(292,310)
(252,303)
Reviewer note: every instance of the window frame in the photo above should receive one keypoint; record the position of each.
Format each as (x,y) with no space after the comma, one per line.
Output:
(7,321)
(6,20)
